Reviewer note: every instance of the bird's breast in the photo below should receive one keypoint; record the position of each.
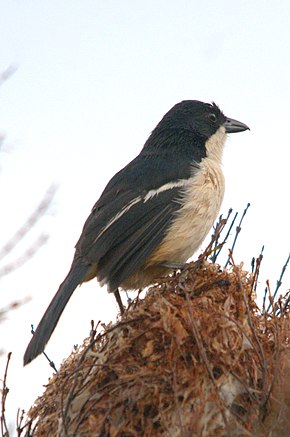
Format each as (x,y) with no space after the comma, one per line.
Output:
(201,202)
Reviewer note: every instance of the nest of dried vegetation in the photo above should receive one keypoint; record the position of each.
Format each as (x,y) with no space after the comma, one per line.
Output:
(195,357)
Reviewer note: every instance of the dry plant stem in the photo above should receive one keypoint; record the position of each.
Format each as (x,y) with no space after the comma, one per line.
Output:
(136,300)
(30,222)
(26,255)
(261,354)
(71,394)
(271,300)
(5,391)
(238,230)
(274,378)
(230,228)
(286,305)
(277,369)
(264,301)
(257,269)
(221,245)
(22,232)
(279,282)
(7,73)
(74,385)
(277,340)
(243,332)
(19,422)
(204,358)
(11,307)
(214,238)
(216,242)
(244,384)
(51,363)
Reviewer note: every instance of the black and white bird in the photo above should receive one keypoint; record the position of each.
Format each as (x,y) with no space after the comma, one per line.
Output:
(154,213)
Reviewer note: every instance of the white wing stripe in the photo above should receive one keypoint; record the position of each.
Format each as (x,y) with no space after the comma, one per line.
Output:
(118,215)
(169,186)
(178,184)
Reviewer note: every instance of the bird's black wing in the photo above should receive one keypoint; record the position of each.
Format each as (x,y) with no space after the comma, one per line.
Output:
(136,234)
(123,245)
(133,214)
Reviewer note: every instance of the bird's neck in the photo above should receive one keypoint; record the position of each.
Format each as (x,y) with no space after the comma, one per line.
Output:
(177,143)
(215,145)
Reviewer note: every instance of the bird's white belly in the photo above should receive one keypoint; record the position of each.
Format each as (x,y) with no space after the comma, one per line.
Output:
(201,201)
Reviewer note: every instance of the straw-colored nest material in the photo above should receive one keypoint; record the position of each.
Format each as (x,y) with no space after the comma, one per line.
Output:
(194,358)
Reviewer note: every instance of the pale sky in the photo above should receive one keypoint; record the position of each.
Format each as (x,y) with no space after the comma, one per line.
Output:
(93,79)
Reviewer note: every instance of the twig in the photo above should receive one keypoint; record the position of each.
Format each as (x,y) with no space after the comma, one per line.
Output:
(238,230)
(6,74)
(279,282)
(271,300)
(257,264)
(19,422)
(30,222)
(216,253)
(264,301)
(12,306)
(286,304)
(209,249)
(29,253)
(5,391)
(219,234)
(51,363)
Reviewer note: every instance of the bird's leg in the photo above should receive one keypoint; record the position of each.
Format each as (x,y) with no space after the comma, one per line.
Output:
(119,301)
(172,265)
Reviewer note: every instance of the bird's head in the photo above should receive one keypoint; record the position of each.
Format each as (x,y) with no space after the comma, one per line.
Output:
(204,119)
(192,129)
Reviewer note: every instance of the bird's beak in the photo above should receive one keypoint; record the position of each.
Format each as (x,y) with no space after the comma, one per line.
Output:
(232,126)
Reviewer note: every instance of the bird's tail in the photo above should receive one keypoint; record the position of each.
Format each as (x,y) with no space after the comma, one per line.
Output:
(51,316)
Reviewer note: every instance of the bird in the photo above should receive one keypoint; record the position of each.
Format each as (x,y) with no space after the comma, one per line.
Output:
(153,214)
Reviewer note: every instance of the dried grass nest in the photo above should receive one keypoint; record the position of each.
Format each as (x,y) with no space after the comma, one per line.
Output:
(195,357)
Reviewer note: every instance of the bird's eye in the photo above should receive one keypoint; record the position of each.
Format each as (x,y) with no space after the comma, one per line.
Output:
(212,117)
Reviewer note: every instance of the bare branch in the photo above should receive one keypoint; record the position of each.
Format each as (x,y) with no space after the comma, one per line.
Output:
(30,222)
(279,282)
(5,391)
(6,74)
(216,253)
(238,230)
